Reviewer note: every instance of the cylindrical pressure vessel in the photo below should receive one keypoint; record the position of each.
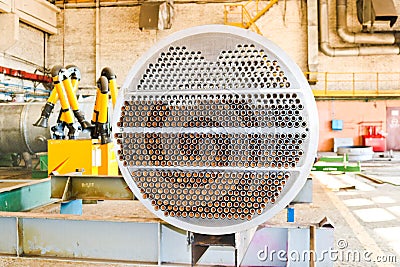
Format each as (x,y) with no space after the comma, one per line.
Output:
(17,133)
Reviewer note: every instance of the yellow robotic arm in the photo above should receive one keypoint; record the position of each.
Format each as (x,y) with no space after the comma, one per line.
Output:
(43,121)
(112,83)
(70,84)
(100,112)
(105,85)
(65,82)
(66,117)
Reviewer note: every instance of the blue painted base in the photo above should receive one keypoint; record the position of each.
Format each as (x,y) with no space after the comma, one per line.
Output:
(290,214)
(72,207)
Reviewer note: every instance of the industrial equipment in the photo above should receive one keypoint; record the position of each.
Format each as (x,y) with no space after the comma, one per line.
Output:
(86,154)
(156,15)
(215,129)
(66,81)
(17,135)
(106,85)
(370,10)
(374,139)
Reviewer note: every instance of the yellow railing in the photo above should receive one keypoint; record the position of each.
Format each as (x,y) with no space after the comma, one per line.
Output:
(239,15)
(354,84)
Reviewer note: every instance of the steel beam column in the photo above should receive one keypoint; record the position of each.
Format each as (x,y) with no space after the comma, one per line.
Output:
(90,187)
(24,195)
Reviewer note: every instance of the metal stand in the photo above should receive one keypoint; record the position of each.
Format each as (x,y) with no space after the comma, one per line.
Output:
(290,213)
(200,243)
(239,241)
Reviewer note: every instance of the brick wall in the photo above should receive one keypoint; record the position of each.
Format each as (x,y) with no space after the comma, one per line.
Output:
(28,52)
(121,43)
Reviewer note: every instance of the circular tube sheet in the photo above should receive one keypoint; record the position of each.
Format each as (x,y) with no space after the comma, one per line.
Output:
(215,129)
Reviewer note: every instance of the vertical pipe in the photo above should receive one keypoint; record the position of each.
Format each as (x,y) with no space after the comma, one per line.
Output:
(63,36)
(326,83)
(312,39)
(44,51)
(97,38)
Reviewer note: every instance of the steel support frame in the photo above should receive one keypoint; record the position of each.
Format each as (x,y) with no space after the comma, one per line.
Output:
(26,195)
(145,241)
(239,242)
(139,240)
(86,187)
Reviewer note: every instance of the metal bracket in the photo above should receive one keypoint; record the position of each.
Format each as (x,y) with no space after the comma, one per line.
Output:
(200,243)
(239,241)
(67,190)
(86,187)
(305,194)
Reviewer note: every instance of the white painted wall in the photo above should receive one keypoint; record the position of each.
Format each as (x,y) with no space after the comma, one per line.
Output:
(122,43)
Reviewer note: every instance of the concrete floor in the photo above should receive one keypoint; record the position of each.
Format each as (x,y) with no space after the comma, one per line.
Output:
(366,218)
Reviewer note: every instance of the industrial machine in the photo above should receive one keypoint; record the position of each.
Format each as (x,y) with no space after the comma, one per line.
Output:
(93,154)
(66,82)
(106,86)
(215,129)
(374,138)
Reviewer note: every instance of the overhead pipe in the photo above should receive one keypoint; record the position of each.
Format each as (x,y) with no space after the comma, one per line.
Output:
(97,37)
(133,3)
(347,51)
(25,75)
(379,38)
(312,40)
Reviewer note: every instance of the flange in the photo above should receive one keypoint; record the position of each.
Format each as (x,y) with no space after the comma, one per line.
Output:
(215,129)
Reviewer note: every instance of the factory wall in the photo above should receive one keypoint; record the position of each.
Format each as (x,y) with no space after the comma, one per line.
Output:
(286,25)
(118,43)
(121,42)
(75,43)
(355,120)
(28,53)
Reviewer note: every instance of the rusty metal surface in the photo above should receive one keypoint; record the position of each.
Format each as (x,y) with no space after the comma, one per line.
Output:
(90,187)
(215,129)
(131,242)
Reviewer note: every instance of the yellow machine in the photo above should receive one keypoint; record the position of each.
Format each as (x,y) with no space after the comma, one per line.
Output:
(94,156)
(65,81)
(105,85)
(86,156)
